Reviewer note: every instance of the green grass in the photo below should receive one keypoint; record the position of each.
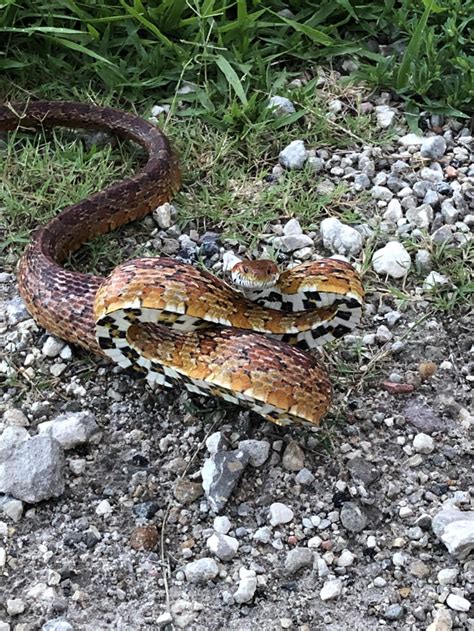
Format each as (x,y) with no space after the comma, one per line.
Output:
(234,50)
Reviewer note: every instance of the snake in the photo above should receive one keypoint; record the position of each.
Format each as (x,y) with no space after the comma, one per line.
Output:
(177,325)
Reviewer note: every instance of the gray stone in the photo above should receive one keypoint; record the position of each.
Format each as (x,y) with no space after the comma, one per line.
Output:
(297,559)
(201,571)
(382,192)
(223,546)
(280,514)
(220,474)
(14,416)
(257,451)
(361,181)
(433,147)
(394,612)
(392,260)
(12,436)
(262,535)
(16,311)
(352,517)
(455,528)
(423,261)
(304,477)
(316,164)
(294,155)
(450,213)
(280,106)
(433,280)
(443,234)
(12,508)
(71,429)
(339,238)
(393,212)
(421,217)
(362,471)
(423,418)
(293,457)
(292,242)
(34,470)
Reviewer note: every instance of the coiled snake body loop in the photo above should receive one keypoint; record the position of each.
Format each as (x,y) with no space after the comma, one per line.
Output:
(170,321)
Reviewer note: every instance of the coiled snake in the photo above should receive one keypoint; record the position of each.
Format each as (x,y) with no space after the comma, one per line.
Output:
(171,321)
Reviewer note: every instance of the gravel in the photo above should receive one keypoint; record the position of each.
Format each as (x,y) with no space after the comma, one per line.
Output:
(366,524)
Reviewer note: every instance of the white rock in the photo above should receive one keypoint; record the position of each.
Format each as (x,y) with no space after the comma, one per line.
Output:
(423,443)
(157,110)
(41,591)
(262,535)
(280,514)
(339,238)
(280,106)
(450,213)
(52,347)
(223,546)
(222,524)
(247,586)
(15,606)
(433,280)
(392,259)
(331,589)
(346,559)
(103,508)
(447,576)
(455,528)
(294,155)
(71,429)
(292,242)
(162,215)
(14,416)
(458,603)
(201,571)
(335,106)
(3,557)
(441,622)
(411,140)
(384,115)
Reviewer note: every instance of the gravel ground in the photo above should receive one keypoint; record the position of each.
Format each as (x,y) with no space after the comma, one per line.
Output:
(127,508)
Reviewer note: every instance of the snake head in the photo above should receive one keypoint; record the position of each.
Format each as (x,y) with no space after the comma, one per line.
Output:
(254,274)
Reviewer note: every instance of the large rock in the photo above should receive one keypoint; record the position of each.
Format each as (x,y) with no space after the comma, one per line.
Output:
(392,260)
(71,429)
(455,528)
(220,474)
(339,238)
(33,470)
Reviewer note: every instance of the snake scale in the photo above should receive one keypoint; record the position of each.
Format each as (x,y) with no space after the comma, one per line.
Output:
(168,320)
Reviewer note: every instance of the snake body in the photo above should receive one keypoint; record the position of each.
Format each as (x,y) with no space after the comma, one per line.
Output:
(170,321)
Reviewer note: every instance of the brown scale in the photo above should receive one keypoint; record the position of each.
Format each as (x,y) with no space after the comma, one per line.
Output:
(62,301)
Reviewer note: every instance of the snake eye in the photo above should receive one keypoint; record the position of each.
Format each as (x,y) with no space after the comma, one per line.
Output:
(246,269)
